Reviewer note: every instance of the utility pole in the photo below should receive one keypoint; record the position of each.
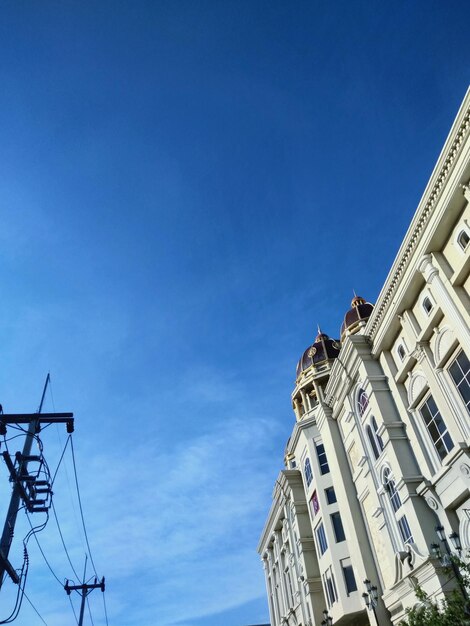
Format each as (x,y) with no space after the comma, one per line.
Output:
(25,486)
(83,590)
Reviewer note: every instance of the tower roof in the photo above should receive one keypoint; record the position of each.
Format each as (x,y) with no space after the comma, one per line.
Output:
(360,311)
(323,349)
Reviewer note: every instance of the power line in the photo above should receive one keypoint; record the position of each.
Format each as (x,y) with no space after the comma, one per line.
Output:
(63,542)
(89,611)
(73,609)
(105,611)
(43,555)
(60,460)
(37,612)
(81,509)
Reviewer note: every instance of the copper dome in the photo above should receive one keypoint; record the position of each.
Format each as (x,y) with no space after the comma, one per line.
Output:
(360,311)
(322,349)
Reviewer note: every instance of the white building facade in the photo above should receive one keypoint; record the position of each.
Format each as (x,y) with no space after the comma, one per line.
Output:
(379,455)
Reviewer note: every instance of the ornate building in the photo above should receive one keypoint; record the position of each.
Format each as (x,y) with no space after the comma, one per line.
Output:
(379,455)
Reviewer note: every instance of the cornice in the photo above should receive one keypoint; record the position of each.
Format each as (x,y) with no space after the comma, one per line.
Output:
(354,350)
(444,167)
(305,422)
(285,482)
(273,516)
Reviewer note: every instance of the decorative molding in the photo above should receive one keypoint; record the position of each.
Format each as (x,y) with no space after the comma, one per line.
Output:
(465,470)
(466,190)
(444,341)
(432,504)
(417,384)
(415,236)
(362,461)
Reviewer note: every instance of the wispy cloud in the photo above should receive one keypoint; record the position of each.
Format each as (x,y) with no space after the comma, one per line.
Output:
(182,520)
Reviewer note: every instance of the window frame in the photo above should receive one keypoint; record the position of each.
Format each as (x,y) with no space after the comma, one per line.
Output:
(308,473)
(462,231)
(346,566)
(338,528)
(427,298)
(330,490)
(375,440)
(434,427)
(329,584)
(361,405)
(465,377)
(322,464)
(405,530)
(402,530)
(391,489)
(314,504)
(401,352)
(320,535)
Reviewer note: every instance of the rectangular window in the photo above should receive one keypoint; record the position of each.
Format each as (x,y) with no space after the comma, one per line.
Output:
(405,530)
(322,460)
(437,428)
(330,495)
(321,539)
(348,573)
(330,587)
(338,527)
(314,504)
(460,372)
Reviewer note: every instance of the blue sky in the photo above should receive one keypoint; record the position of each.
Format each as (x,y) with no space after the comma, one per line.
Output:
(187,189)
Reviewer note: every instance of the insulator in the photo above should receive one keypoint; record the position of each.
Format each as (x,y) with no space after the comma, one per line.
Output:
(42,509)
(34,458)
(26,478)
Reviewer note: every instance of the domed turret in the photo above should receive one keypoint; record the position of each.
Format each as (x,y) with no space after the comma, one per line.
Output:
(323,349)
(357,316)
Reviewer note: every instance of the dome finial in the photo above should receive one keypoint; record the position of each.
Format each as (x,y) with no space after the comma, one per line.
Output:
(357,300)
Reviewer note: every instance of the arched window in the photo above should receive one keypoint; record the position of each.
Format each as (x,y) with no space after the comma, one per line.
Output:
(463,239)
(395,503)
(308,472)
(375,428)
(362,402)
(391,489)
(427,305)
(375,440)
(373,444)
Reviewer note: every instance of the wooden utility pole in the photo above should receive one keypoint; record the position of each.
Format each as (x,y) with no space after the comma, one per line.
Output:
(84,589)
(24,485)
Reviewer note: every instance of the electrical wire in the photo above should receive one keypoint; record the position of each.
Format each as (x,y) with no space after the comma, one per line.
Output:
(44,556)
(37,612)
(60,460)
(105,610)
(89,611)
(43,470)
(64,466)
(73,608)
(19,596)
(80,504)
(63,542)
